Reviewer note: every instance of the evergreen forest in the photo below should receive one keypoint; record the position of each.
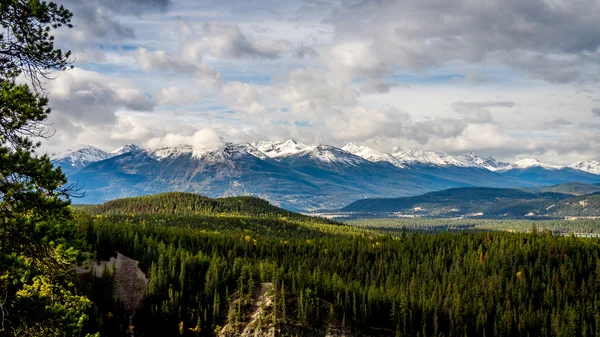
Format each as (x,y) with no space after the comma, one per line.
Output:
(204,268)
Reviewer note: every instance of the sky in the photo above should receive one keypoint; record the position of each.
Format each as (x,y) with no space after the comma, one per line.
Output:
(508,78)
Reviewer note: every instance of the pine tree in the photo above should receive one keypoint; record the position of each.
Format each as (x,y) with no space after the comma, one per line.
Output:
(33,197)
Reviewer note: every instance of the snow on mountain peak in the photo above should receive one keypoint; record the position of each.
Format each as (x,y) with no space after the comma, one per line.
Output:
(426,157)
(172,151)
(372,155)
(225,152)
(590,166)
(125,149)
(530,162)
(331,154)
(280,149)
(488,163)
(79,156)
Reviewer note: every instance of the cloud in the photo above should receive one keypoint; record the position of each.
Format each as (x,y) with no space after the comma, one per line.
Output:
(557,123)
(203,139)
(557,42)
(365,124)
(303,51)
(313,92)
(161,61)
(95,20)
(424,130)
(228,41)
(357,56)
(176,95)
(243,97)
(479,112)
(91,99)
(335,71)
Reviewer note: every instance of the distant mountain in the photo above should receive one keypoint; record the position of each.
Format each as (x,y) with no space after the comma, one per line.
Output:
(125,149)
(582,206)
(294,175)
(373,155)
(488,163)
(572,188)
(530,163)
(483,203)
(316,177)
(548,175)
(77,157)
(406,157)
(410,156)
(591,166)
(478,201)
(280,149)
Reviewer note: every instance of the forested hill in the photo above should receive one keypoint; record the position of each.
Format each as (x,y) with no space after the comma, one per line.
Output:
(571,188)
(185,204)
(457,201)
(585,205)
(485,202)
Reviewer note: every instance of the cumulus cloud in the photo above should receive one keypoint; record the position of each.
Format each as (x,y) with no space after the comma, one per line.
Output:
(243,97)
(228,41)
(205,138)
(102,22)
(161,61)
(176,95)
(314,91)
(89,98)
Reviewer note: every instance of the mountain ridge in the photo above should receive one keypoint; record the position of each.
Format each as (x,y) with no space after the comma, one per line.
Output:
(400,157)
(483,202)
(295,176)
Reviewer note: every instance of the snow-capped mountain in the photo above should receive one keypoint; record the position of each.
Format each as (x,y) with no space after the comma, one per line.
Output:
(226,152)
(126,149)
(78,156)
(425,157)
(299,176)
(372,155)
(331,154)
(403,157)
(591,166)
(280,149)
(529,163)
(488,163)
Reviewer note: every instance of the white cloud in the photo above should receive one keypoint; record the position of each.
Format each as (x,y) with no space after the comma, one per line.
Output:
(88,98)
(176,95)
(507,78)
(202,139)
(243,97)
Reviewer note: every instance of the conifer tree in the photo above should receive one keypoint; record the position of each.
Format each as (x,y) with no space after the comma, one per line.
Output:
(36,279)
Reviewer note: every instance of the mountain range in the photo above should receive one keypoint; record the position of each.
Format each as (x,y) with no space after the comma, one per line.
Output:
(297,176)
